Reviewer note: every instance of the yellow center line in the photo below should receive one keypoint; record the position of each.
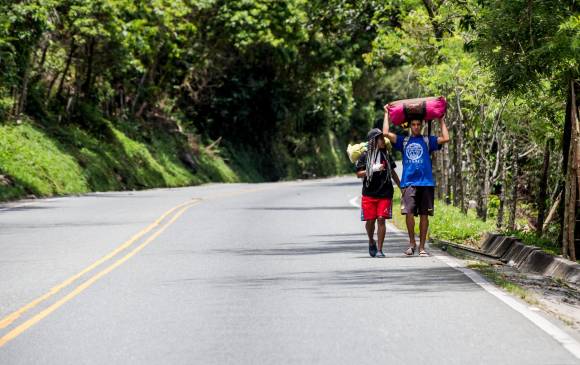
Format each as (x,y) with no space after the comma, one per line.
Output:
(9,319)
(82,287)
(6,321)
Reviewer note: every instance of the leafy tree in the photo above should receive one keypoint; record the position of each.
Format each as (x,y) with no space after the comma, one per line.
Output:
(525,43)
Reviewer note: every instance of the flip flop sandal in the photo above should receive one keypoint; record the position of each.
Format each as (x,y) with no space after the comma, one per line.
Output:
(410,251)
(424,253)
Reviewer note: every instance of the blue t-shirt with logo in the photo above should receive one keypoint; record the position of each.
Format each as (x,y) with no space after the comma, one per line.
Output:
(416,160)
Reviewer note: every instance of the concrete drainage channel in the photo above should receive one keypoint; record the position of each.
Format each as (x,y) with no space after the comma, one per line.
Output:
(526,259)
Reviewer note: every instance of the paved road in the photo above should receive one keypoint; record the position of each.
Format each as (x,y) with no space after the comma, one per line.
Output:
(242,274)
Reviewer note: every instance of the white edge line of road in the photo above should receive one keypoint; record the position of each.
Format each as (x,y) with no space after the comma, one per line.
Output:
(556,333)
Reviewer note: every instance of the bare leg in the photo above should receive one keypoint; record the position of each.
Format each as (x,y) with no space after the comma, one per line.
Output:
(411,229)
(423,228)
(381,231)
(370,226)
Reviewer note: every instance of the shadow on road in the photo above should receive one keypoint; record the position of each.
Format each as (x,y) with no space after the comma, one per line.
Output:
(303,208)
(333,279)
(22,208)
(122,195)
(392,245)
(418,280)
(338,235)
(335,184)
(70,224)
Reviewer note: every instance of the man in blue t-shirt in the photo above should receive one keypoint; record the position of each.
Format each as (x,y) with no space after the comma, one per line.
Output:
(417,182)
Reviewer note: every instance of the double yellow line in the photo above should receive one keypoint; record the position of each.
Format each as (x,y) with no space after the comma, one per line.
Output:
(174,212)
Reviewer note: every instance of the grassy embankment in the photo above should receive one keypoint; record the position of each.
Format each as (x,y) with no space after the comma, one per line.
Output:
(36,162)
(39,161)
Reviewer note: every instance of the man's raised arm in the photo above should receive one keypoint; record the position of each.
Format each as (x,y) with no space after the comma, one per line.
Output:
(391,136)
(444,138)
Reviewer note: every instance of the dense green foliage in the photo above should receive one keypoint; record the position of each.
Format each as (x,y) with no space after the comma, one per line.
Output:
(271,78)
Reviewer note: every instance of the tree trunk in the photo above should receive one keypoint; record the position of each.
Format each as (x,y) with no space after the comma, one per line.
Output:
(577,166)
(440,175)
(480,191)
(486,189)
(437,29)
(483,173)
(148,75)
(453,166)
(24,87)
(567,132)
(459,196)
(14,94)
(553,210)
(51,85)
(86,88)
(481,168)
(446,169)
(530,22)
(453,149)
(542,196)
(571,186)
(502,196)
(66,67)
(514,200)
(43,57)
(439,170)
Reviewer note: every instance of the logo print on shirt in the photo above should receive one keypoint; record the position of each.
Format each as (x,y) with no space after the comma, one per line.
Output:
(414,151)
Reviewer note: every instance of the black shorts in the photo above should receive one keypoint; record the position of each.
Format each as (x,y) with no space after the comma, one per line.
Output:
(418,200)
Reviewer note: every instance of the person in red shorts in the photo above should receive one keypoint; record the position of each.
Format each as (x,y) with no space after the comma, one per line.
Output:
(376,167)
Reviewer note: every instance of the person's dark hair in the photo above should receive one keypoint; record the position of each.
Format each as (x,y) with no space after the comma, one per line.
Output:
(372,151)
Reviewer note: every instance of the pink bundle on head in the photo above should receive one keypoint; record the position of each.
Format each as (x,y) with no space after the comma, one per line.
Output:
(430,108)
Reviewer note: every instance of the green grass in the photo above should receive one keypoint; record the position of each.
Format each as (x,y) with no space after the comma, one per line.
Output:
(37,164)
(499,279)
(448,223)
(72,160)
(142,168)
(548,245)
(244,162)
(215,169)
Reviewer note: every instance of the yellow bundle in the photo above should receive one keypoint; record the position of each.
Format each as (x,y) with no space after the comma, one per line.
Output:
(354,151)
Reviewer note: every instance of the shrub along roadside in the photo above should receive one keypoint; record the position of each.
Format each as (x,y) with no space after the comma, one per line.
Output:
(447,224)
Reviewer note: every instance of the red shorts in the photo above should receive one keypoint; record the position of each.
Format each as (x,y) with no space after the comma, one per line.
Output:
(373,208)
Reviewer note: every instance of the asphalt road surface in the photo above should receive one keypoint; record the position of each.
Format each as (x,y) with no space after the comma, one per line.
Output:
(240,274)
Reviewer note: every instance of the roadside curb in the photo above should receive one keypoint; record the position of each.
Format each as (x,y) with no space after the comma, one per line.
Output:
(525,258)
